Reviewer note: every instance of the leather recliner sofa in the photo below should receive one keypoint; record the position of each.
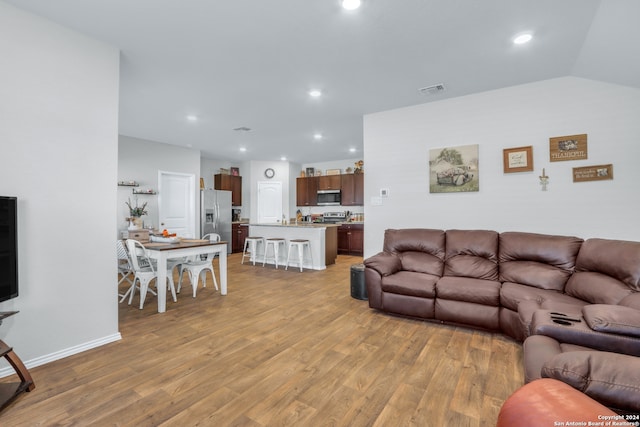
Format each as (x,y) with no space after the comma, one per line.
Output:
(580,294)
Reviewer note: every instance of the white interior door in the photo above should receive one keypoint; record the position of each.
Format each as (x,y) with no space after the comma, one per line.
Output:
(269,202)
(177,203)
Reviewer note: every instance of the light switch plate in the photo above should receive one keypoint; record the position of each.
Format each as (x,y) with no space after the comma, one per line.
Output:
(384,192)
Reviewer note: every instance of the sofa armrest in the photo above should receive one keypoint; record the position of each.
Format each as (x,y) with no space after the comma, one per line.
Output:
(579,333)
(610,378)
(384,263)
(612,319)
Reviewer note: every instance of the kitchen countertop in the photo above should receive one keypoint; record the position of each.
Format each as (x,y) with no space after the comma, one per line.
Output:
(300,224)
(307,224)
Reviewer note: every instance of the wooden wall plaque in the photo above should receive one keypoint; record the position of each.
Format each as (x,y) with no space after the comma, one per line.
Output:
(593,173)
(570,147)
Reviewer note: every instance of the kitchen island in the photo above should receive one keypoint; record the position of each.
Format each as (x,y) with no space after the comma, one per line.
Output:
(323,239)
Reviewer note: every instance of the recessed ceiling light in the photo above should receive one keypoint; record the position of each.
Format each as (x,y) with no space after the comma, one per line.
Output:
(352,150)
(192,118)
(283,158)
(317,136)
(243,149)
(350,4)
(315,93)
(522,38)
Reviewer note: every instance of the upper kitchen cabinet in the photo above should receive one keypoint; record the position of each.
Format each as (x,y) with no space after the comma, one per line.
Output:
(306,191)
(231,183)
(352,186)
(329,182)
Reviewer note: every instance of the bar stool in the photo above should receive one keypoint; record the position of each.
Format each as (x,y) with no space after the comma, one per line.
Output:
(300,244)
(275,243)
(252,244)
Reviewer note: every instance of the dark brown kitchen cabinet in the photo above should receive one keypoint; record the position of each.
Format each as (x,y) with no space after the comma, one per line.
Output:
(329,182)
(352,186)
(239,232)
(306,191)
(351,239)
(230,183)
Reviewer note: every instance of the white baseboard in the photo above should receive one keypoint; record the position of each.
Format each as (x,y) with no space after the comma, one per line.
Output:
(5,372)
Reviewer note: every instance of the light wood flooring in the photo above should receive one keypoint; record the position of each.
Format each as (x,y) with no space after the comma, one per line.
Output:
(283,348)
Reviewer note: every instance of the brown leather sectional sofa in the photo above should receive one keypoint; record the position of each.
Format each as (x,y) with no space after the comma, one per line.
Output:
(558,294)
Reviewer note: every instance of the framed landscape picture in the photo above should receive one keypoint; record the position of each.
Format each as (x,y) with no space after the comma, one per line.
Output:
(518,159)
(454,169)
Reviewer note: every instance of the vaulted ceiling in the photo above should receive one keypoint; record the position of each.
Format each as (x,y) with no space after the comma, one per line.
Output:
(250,64)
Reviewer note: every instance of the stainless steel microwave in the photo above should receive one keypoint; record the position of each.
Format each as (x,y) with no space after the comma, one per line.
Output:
(328,198)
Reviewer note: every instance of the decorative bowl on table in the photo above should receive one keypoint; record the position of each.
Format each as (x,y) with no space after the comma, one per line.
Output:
(161,239)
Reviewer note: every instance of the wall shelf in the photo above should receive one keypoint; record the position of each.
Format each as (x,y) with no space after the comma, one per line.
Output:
(148,192)
(128,184)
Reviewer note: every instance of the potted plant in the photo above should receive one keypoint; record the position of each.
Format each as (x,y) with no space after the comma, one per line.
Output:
(135,212)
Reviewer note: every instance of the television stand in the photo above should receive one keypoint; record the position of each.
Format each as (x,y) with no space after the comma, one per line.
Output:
(9,391)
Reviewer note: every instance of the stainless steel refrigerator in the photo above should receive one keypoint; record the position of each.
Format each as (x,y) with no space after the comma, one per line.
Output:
(215,214)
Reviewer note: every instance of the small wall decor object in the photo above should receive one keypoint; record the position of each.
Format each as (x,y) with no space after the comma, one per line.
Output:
(333,171)
(235,171)
(318,172)
(454,169)
(359,166)
(224,171)
(593,173)
(518,159)
(571,147)
(311,171)
(202,183)
(544,180)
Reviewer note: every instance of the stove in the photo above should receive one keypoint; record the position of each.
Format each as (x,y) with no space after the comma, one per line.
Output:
(333,217)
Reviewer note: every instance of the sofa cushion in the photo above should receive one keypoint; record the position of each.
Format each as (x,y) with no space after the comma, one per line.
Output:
(512,294)
(472,253)
(410,283)
(616,258)
(612,319)
(484,292)
(420,250)
(610,378)
(537,260)
(596,288)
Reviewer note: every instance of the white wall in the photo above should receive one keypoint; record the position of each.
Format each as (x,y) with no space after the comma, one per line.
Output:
(397,145)
(59,141)
(256,174)
(140,160)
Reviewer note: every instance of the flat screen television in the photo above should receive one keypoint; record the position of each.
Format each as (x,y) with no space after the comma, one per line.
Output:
(8,248)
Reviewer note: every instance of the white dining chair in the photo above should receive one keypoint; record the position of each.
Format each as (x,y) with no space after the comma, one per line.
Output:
(144,272)
(196,266)
(124,268)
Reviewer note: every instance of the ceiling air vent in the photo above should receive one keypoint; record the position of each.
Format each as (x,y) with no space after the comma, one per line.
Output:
(242,129)
(432,90)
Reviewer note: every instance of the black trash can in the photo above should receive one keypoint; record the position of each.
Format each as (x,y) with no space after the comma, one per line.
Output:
(358,288)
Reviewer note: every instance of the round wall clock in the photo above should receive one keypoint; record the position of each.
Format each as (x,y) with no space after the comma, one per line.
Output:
(269,173)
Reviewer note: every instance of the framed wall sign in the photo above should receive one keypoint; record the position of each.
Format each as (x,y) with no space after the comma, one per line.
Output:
(593,173)
(571,147)
(518,159)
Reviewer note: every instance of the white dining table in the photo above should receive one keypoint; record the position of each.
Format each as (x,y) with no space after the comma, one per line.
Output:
(186,247)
